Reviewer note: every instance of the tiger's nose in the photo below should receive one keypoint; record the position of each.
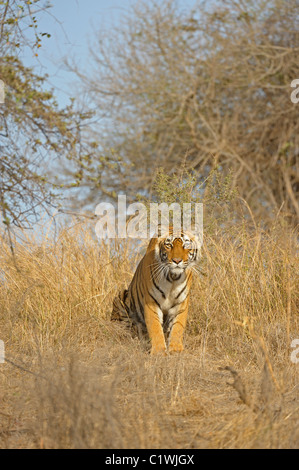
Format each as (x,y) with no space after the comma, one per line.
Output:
(176,260)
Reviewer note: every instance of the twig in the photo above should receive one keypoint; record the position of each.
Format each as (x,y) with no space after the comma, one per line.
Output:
(25,370)
(239,386)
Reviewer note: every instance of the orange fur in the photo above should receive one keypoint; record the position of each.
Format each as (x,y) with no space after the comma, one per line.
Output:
(158,297)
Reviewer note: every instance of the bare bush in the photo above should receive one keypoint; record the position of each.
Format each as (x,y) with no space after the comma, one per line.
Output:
(213,81)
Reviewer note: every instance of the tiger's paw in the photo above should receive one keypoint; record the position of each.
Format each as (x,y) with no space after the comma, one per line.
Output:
(175,348)
(156,350)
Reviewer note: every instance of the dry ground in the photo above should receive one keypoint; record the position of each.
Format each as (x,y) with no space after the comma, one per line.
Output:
(86,383)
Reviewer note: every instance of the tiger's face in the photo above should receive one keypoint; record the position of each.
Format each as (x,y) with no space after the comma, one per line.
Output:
(177,253)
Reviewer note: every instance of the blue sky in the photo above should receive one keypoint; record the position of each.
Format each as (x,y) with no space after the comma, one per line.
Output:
(71,24)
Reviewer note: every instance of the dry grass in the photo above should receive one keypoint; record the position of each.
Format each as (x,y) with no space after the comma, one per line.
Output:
(96,387)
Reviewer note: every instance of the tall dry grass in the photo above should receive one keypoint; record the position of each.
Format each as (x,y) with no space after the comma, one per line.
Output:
(75,380)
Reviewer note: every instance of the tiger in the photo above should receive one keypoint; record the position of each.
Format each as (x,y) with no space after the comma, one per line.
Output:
(157,299)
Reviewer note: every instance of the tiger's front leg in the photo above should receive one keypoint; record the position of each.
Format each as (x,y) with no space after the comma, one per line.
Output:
(178,328)
(152,316)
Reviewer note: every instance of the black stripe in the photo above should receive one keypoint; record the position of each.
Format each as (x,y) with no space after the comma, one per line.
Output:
(179,312)
(122,297)
(176,278)
(161,252)
(157,287)
(132,303)
(127,309)
(143,290)
(182,290)
(139,292)
(140,301)
(139,311)
(155,300)
(152,310)
(170,323)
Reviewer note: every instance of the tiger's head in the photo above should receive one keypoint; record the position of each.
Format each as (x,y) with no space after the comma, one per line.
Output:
(178,253)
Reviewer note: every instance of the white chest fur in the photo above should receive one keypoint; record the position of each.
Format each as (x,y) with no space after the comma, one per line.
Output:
(171,294)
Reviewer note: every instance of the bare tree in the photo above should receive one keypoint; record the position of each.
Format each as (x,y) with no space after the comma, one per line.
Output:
(213,81)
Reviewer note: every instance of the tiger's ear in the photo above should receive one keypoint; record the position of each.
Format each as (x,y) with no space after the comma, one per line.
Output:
(196,238)
(198,241)
(198,233)
(152,244)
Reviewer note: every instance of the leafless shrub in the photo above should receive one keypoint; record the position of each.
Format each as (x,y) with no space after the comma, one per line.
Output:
(213,81)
